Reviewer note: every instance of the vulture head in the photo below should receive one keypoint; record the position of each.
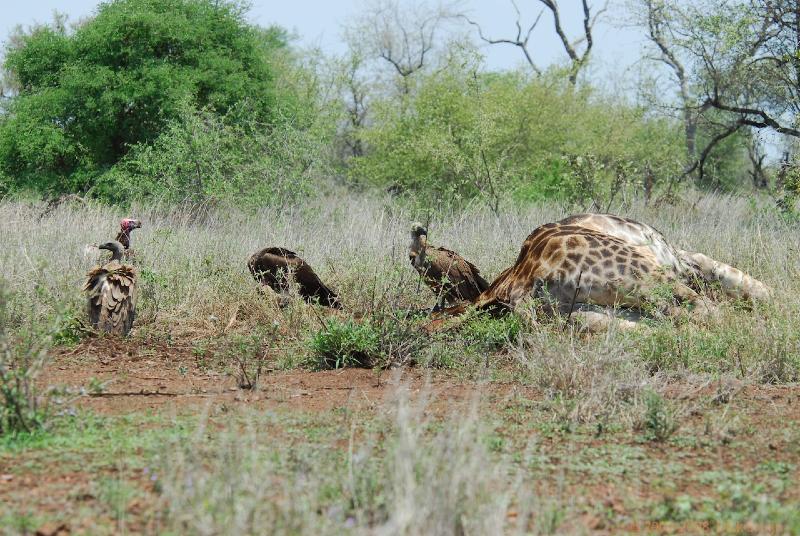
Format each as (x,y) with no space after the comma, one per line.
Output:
(114,247)
(128,224)
(419,240)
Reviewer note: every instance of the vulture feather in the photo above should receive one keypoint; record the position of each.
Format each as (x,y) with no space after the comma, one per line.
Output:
(111,293)
(451,277)
(277,267)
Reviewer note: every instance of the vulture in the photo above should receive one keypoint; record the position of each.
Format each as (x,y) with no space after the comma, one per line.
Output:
(276,267)
(451,277)
(111,292)
(126,226)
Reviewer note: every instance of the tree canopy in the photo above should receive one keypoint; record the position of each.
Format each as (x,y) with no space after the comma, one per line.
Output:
(86,97)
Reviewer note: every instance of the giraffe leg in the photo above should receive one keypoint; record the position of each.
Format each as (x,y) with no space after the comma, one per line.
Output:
(593,319)
(734,282)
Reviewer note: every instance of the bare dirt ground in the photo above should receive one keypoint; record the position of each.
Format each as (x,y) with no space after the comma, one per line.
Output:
(611,481)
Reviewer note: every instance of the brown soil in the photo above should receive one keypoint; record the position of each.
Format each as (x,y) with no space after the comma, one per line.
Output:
(166,378)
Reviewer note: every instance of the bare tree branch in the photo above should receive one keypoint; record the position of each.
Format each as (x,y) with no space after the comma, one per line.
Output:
(577,59)
(518,41)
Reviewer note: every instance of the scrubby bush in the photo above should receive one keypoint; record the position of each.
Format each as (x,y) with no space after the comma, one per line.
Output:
(464,133)
(23,409)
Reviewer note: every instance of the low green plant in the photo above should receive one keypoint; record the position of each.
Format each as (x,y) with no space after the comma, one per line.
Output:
(246,355)
(490,333)
(659,419)
(345,343)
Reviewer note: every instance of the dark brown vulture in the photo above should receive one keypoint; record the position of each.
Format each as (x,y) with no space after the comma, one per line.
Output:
(126,226)
(451,277)
(111,292)
(276,267)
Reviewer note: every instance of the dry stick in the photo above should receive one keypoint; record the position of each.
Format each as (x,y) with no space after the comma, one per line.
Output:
(572,304)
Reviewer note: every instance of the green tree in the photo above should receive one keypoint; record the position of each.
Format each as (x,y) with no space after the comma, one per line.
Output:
(85,98)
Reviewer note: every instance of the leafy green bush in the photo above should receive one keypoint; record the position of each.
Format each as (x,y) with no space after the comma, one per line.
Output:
(345,343)
(122,79)
(463,133)
(202,158)
(659,420)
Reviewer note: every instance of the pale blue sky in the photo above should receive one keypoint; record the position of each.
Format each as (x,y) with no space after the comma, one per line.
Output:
(319,22)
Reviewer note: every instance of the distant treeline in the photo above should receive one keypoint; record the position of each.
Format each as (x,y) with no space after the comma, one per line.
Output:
(184,100)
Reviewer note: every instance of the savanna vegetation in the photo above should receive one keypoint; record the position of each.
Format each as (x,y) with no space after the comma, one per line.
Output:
(227,411)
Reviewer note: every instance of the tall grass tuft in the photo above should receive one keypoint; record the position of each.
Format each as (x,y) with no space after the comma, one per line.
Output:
(422,478)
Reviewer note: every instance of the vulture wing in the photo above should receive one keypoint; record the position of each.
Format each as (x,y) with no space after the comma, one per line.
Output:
(464,277)
(272,266)
(111,291)
(281,252)
(311,287)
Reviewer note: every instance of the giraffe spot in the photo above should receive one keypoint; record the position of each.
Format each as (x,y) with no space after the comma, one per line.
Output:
(611,275)
(606,253)
(621,260)
(608,263)
(596,270)
(622,268)
(572,242)
(575,257)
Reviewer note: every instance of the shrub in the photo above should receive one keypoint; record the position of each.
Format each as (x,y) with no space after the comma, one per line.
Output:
(23,409)
(464,133)
(488,333)
(345,343)
(659,420)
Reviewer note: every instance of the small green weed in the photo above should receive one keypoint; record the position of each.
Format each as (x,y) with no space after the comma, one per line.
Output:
(345,344)
(659,420)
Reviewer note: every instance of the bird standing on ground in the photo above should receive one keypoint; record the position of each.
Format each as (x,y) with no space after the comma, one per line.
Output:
(451,277)
(276,267)
(111,292)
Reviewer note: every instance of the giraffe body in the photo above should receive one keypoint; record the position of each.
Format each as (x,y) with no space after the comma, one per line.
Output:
(694,269)
(570,267)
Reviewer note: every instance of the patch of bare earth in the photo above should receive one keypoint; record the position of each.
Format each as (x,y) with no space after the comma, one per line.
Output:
(163,378)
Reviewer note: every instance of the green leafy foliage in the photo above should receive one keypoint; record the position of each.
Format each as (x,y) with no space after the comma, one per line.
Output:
(345,343)
(659,420)
(124,80)
(490,334)
(464,133)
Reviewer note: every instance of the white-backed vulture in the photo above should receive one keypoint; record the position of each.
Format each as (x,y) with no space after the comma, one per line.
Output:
(277,267)
(111,293)
(451,277)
